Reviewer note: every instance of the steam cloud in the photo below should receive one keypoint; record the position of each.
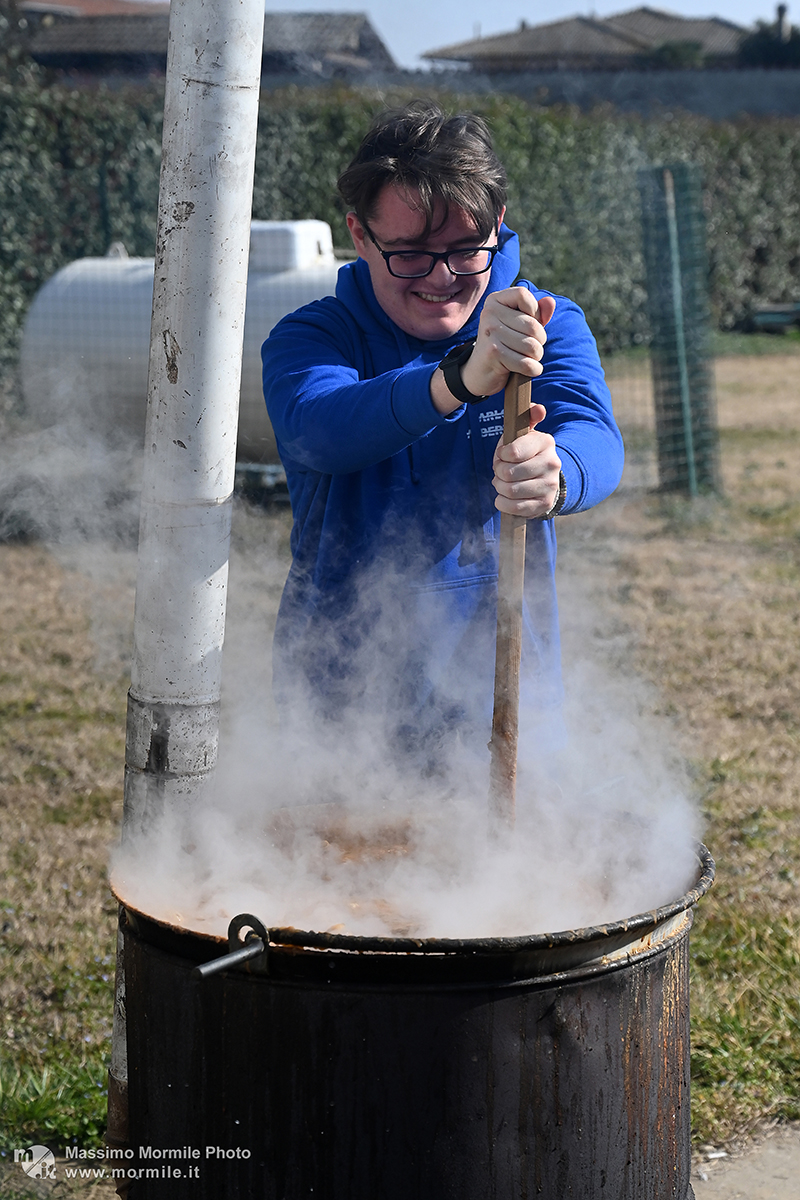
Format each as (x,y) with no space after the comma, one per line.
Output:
(330,828)
(334,829)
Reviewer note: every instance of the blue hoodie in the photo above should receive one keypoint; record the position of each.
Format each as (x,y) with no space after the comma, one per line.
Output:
(391,597)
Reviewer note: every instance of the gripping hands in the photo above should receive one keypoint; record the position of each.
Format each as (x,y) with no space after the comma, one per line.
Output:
(511,337)
(526,472)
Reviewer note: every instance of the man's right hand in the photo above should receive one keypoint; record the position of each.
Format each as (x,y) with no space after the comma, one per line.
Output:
(511,337)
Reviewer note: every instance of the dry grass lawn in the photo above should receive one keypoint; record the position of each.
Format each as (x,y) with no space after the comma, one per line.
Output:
(708,595)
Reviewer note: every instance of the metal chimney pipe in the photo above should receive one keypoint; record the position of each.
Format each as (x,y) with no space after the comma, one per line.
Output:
(202,244)
(784,28)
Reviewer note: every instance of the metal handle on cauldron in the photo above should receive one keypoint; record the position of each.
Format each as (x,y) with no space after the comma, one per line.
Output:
(510,580)
(256,942)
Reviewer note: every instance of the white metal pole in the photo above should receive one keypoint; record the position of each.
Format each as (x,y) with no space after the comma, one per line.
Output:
(202,243)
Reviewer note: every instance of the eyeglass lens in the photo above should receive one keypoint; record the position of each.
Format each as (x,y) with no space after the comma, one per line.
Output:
(412,264)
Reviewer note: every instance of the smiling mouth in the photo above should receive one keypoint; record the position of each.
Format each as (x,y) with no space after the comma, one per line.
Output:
(429,296)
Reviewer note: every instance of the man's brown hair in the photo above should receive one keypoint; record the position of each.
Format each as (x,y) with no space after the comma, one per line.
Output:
(449,161)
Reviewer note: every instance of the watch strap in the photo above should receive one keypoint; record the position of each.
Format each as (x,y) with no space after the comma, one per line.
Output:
(561,499)
(451,366)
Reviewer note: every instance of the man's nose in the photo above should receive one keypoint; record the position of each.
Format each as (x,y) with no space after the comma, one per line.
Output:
(441,273)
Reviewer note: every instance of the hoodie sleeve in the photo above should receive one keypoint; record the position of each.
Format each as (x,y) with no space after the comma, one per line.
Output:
(573,390)
(326,411)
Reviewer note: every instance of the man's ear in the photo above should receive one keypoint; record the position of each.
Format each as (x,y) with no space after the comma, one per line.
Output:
(501,216)
(356,233)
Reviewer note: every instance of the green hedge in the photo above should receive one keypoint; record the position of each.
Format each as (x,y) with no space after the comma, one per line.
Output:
(79,169)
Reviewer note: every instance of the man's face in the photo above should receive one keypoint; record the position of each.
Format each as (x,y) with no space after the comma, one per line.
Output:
(438,305)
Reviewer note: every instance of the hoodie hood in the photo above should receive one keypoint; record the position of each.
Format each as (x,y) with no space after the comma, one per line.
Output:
(354,290)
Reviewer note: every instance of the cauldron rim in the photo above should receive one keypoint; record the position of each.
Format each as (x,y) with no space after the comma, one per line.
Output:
(354,943)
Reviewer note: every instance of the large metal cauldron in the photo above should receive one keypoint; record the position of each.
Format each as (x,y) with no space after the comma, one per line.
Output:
(350,1068)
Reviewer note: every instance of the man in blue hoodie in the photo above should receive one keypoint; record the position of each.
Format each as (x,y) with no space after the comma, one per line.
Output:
(386,402)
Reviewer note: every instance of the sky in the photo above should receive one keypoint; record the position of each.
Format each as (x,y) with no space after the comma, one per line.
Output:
(409,27)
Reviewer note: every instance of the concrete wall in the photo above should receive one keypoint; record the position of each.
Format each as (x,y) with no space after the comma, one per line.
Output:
(720,94)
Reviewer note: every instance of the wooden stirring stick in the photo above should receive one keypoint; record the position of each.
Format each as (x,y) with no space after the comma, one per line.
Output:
(510,581)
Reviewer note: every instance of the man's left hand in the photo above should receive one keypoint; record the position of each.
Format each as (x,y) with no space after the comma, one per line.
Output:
(526,472)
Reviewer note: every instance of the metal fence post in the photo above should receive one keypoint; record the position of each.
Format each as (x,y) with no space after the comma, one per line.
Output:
(677,285)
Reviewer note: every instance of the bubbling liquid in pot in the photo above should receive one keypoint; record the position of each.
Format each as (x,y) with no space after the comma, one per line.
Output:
(434,870)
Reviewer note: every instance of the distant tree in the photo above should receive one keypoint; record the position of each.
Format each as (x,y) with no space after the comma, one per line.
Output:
(16,65)
(675,56)
(772,45)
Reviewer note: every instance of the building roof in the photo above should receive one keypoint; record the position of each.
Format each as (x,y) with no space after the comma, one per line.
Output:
(313,42)
(580,41)
(112,35)
(328,37)
(92,8)
(575,35)
(715,35)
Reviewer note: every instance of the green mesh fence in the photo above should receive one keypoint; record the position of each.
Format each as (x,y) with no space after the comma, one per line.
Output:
(673,230)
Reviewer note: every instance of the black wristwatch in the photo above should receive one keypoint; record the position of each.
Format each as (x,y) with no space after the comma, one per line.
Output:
(451,366)
(560,501)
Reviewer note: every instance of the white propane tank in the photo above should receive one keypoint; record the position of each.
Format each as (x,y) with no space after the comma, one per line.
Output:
(86,340)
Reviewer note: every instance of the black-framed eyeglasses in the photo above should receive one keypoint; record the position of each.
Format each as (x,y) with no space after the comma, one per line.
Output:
(416,264)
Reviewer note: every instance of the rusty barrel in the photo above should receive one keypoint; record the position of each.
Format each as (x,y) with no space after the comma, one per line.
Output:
(350,1068)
